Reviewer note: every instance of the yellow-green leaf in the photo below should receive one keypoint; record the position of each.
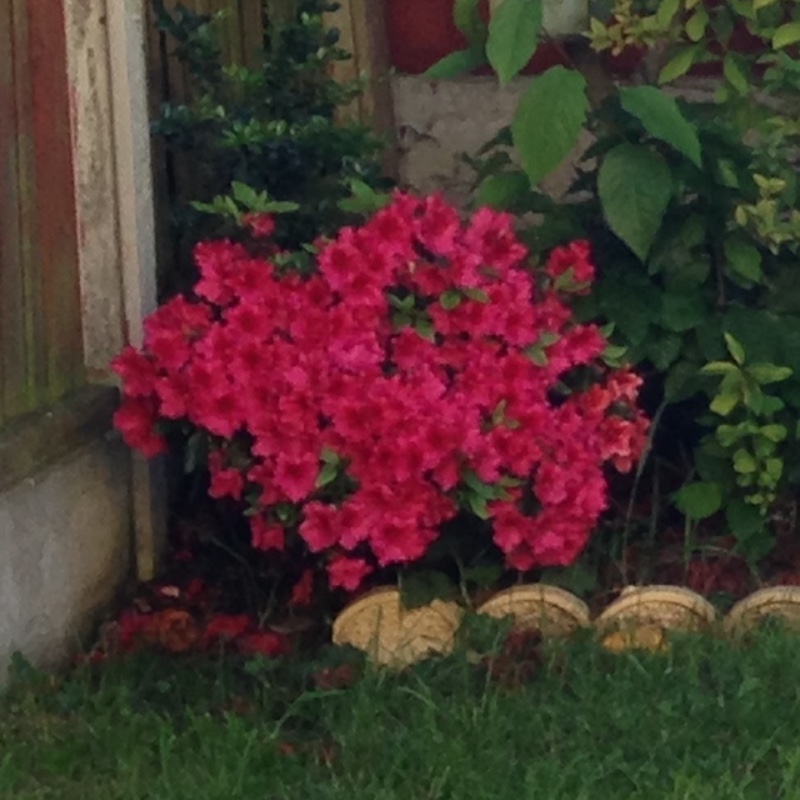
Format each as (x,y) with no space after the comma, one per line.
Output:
(786,35)
(734,74)
(678,66)
(696,26)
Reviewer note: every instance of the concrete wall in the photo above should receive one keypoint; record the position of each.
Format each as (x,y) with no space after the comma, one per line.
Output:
(439,121)
(65,540)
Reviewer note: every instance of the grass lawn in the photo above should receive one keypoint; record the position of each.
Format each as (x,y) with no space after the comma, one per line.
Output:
(705,720)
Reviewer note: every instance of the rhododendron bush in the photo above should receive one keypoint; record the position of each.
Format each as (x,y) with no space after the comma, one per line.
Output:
(424,368)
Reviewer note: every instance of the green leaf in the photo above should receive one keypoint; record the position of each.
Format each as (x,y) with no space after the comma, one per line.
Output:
(664,349)
(404,304)
(679,383)
(728,435)
(678,65)
(775,433)
(734,348)
(744,463)
(450,300)
(485,577)
(466,15)
(478,506)
(477,486)
(682,312)
(329,456)
(614,354)
(734,74)
(513,35)
(503,191)
(724,403)
(662,118)
(536,354)
(719,368)
(667,9)
(477,295)
(788,34)
(635,186)
(743,259)
(549,120)
(696,25)
(768,373)
(327,475)
(280,207)
(456,64)
(743,519)
(771,405)
(422,588)
(364,199)
(699,500)
(244,194)
(774,468)
(424,328)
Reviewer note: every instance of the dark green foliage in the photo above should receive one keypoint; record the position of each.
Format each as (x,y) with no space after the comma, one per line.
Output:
(269,125)
(693,211)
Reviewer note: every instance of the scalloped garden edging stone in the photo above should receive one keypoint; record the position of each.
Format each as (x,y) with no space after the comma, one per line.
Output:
(395,636)
(640,618)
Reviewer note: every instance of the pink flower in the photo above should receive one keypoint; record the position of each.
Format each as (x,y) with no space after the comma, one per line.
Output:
(137,371)
(303,590)
(423,346)
(136,419)
(261,226)
(574,257)
(320,528)
(347,573)
(267,535)
(295,475)
(225,481)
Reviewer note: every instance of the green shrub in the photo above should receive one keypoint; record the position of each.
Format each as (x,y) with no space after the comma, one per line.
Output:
(692,206)
(271,127)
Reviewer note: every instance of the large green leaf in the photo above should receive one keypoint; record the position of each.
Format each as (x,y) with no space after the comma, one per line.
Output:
(513,35)
(504,190)
(662,118)
(787,34)
(456,64)
(679,65)
(635,186)
(699,500)
(549,120)
(466,15)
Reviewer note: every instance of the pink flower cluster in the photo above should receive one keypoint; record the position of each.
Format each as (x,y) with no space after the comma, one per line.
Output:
(421,369)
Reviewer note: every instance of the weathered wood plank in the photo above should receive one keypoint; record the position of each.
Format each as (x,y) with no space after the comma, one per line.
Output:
(40,334)
(31,391)
(363,27)
(12,343)
(56,305)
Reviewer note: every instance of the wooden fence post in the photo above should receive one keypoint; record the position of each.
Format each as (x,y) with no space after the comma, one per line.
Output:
(363,28)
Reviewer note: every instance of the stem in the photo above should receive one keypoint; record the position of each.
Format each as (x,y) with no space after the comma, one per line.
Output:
(718,263)
(637,479)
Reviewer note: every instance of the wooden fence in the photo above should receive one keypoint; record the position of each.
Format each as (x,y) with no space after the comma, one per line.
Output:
(41,354)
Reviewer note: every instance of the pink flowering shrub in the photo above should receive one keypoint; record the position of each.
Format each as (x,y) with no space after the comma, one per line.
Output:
(424,368)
